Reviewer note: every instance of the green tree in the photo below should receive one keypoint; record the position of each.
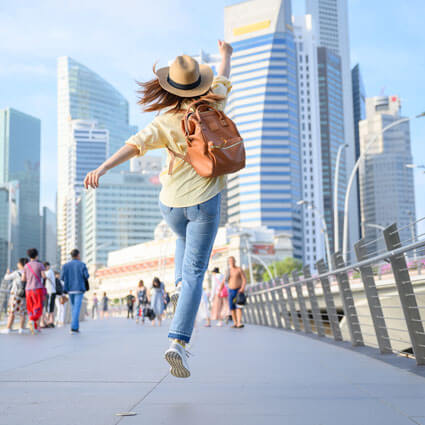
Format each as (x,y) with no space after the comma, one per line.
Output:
(286,266)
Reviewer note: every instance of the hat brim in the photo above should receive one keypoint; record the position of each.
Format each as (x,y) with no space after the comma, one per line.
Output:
(205,72)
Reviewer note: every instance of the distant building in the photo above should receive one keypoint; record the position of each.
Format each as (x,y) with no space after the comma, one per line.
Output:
(9,227)
(122,212)
(147,164)
(127,266)
(359,110)
(20,161)
(311,148)
(386,184)
(264,105)
(49,247)
(330,19)
(84,95)
(88,149)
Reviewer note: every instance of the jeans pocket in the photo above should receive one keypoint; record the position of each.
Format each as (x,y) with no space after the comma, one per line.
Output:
(164,209)
(211,208)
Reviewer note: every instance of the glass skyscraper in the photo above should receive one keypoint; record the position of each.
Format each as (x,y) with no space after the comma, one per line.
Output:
(264,104)
(20,161)
(83,94)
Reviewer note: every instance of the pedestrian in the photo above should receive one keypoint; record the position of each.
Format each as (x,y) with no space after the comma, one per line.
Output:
(75,276)
(105,306)
(16,305)
(95,306)
(219,297)
(237,283)
(142,301)
(35,291)
(61,300)
(189,202)
(204,309)
(157,300)
(49,303)
(131,299)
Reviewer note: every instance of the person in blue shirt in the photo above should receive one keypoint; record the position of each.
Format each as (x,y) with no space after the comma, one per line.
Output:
(74,274)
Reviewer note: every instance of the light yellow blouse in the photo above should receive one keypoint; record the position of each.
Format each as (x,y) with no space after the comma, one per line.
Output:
(184,188)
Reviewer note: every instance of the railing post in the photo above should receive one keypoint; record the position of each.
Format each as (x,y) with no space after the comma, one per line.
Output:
(270,306)
(294,314)
(329,300)
(301,303)
(248,308)
(348,302)
(283,307)
(260,320)
(315,310)
(407,295)
(373,300)
(276,309)
(262,306)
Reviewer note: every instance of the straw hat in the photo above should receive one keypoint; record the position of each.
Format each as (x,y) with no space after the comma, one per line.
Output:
(185,77)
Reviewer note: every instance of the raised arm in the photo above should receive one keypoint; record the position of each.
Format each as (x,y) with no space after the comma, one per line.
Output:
(125,153)
(225,50)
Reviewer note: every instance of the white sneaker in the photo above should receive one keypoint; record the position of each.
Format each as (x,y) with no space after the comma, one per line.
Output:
(175,297)
(21,331)
(177,356)
(5,331)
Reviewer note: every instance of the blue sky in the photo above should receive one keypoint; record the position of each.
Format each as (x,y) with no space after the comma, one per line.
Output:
(121,41)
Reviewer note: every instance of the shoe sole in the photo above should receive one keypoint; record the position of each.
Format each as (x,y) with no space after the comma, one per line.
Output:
(177,368)
(174,299)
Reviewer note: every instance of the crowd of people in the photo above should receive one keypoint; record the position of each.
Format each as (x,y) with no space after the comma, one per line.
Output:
(38,295)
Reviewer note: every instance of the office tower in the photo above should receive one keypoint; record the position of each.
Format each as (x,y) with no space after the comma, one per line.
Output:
(264,104)
(311,149)
(359,113)
(386,184)
(9,226)
(88,149)
(82,94)
(20,161)
(48,251)
(330,18)
(331,138)
(147,164)
(122,212)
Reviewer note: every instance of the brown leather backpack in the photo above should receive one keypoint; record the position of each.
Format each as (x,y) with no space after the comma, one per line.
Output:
(214,145)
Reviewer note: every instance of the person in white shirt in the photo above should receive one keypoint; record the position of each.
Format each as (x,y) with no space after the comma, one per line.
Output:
(61,300)
(218,297)
(51,295)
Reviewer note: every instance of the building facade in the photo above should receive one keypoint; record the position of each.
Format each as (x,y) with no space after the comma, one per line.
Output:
(122,212)
(359,114)
(20,161)
(330,18)
(49,247)
(264,105)
(83,94)
(311,149)
(386,184)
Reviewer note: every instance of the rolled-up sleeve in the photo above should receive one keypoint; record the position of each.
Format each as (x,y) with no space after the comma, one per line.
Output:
(151,137)
(221,86)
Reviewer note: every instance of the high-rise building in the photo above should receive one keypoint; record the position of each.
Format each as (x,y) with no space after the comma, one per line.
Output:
(20,161)
(359,113)
(330,18)
(88,148)
(386,184)
(9,226)
(264,104)
(49,247)
(121,212)
(83,94)
(331,138)
(311,149)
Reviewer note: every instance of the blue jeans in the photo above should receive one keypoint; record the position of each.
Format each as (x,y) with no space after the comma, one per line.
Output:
(196,229)
(76,300)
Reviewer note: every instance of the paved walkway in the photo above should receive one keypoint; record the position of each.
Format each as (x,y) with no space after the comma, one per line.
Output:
(253,376)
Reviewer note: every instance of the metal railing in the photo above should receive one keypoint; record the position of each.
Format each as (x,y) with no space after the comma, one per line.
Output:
(367,303)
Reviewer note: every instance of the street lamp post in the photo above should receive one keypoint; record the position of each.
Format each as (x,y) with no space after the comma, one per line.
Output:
(325,229)
(353,174)
(258,258)
(336,215)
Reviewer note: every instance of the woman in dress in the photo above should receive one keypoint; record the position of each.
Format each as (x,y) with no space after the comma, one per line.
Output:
(105,306)
(142,301)
(157,300)
(16,305)
(219,297)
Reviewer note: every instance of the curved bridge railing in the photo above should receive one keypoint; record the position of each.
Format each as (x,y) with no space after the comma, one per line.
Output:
(378,301)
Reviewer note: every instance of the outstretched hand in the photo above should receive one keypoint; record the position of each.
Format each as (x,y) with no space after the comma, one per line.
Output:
(92,178)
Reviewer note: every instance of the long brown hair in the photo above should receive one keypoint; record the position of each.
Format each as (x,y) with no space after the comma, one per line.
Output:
(152,97)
